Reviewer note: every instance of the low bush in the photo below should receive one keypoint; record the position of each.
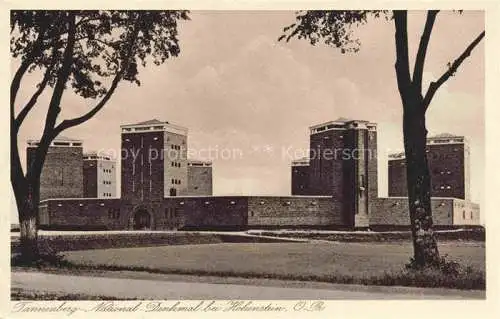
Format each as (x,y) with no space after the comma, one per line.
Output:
(51,243)
(44,260)
(472,234)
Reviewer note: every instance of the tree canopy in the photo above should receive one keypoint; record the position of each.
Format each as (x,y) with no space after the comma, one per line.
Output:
(82,49)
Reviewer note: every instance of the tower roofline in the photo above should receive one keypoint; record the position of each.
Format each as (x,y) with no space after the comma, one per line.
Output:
(447,138)
(194,162)
(154,126)
(60,141)
(342,124)
(91,156)
(396,156)
(439,139)
(301,162)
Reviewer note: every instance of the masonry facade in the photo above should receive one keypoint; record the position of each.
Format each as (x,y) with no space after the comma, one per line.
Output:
(342,164)
(300,176)
(335,188)
(199,178)
(448,159)
(62,172)
(99,176)
(392,212)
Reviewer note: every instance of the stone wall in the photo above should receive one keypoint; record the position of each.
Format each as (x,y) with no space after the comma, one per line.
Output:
(81,214)
(394,211)
(196,212)
(210,212)
(465,213)
(293,211)
(241,212)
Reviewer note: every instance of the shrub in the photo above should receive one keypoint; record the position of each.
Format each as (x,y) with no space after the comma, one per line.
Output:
(45,260)
(444,273)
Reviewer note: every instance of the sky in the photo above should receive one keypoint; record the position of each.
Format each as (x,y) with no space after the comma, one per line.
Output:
(235,87)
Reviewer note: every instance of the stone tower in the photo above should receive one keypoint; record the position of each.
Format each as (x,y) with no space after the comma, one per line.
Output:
(99,176)
(343,164)
(62,172)
(154,161)
(448,158)
(300,177)
(199,178)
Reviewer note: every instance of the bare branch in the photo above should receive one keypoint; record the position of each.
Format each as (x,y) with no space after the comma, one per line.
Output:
(16,83)
(87,116)
(402,60)
(25,64)
(418,70)
(434,86)
(31,103)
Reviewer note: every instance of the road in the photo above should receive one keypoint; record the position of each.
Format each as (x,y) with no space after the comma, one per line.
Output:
(126,288)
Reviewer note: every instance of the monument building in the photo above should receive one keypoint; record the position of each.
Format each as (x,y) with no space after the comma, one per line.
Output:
(335,188)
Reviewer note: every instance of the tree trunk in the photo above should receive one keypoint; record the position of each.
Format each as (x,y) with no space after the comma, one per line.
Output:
(27,203)
(29,238)
(419,186)
(27,195)
(415,141)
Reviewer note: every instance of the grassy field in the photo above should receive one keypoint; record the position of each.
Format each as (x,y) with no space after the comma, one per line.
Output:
(293,259)
(20,294)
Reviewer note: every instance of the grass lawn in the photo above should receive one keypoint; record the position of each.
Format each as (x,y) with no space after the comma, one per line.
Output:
(281,259)
(20,294)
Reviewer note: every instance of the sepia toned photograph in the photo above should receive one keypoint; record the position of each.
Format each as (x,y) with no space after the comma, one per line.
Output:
(220,158)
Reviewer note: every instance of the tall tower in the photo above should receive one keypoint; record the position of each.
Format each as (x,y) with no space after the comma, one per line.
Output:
(397,175)
(99,176)
(62,173)
(300,176)
(154,161)
(199,178)
(448,158)
(343,165)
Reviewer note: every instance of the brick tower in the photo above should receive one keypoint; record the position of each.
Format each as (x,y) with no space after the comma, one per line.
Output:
(448,158)
(199,178)
(343,165)
(300,177)
(99,176)
(62,174)
(154,161)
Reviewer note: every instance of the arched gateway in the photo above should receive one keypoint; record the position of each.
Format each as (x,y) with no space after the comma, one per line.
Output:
(141,219)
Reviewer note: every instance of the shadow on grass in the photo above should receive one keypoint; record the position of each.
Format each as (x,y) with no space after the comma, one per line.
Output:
(448,274)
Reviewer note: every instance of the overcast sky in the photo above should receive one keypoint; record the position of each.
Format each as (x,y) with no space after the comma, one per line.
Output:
(234,86)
